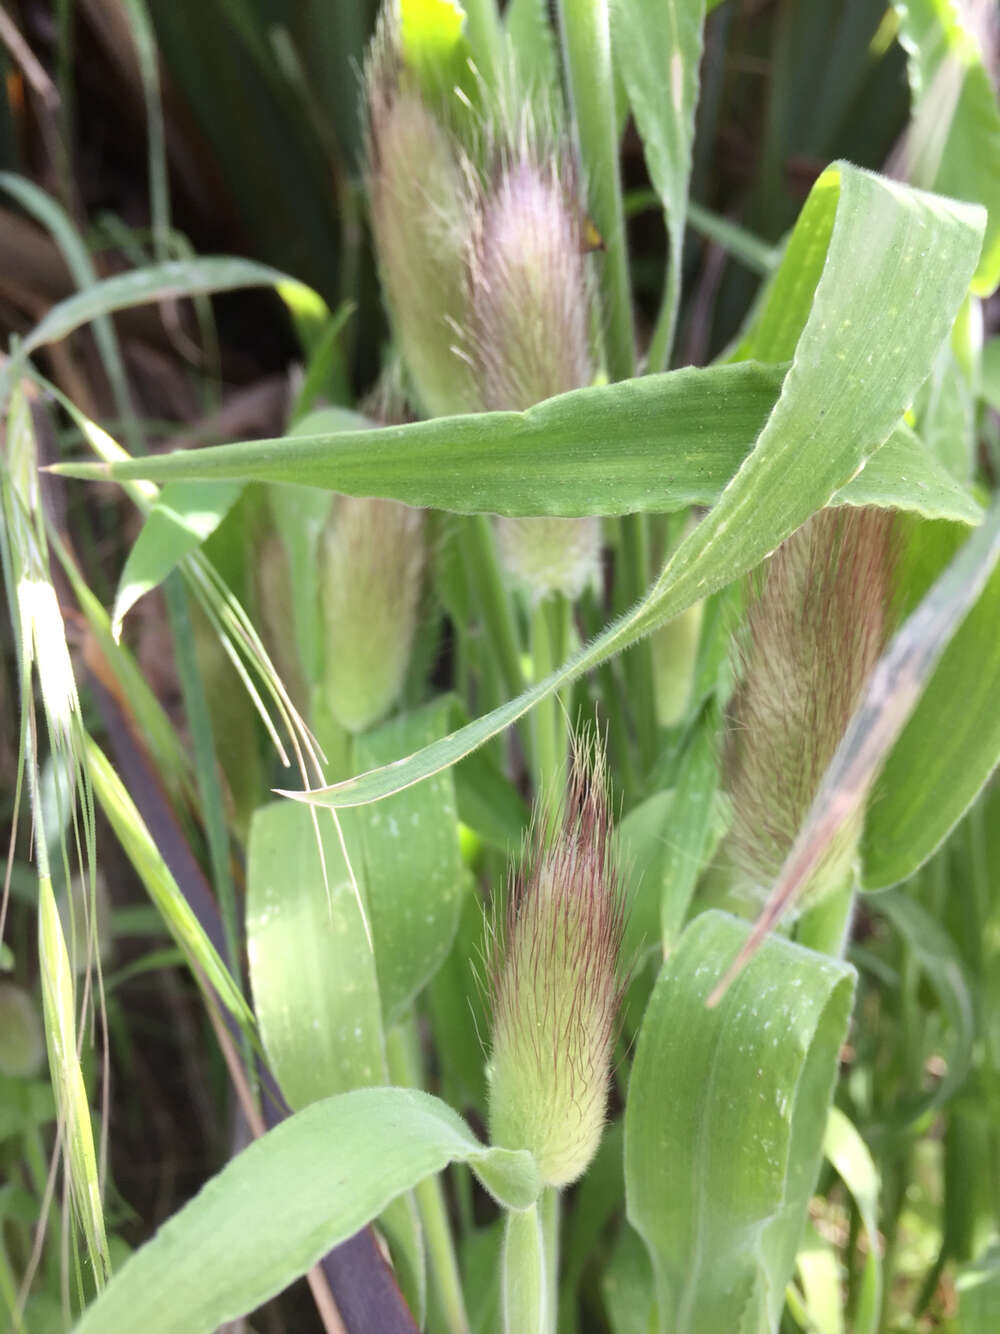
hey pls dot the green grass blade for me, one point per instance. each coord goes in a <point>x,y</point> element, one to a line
<point>978,1286</point>
<point>852,1159</point>
<point>52,216</point>
<point>719,1199</point>
<point>182,518</point>
<point>286,1200</point>
<point>586,44</point>
<point>658,48</point>
<point>567,456</point>
<point>158,282</point>
<point>149,865</point>
<point>937,957</point>
<point>949,747</point>
<point>955,132</point>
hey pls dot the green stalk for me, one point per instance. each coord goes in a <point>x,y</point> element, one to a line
<point>523,1278</point>
<point>753,253</point>
<point>826,926</point>
<point>586,42</point>
<point>402,1056</point>
<point>550,626</point>
<point>550,1241</point>
<point>8,1290</point>
<point>483,569</point>
<point>661,345</point>
<point>638,660</point>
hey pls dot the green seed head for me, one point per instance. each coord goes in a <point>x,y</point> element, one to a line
<point>817,621</point>
<point>372,556</point>
<point>556,989</point>
<point>422,221</point>
<point>551,555</point>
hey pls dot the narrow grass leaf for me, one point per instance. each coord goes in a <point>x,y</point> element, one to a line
<point>152,870</point>
<point>183,516</point>
<point>658,49</point>
<point>157,282</point>
<point>949,746</point>
<point>720,1198</point>
<point>853,1162</point>
<point>689,433</point>
<point>277,1207</point>
<point>81,266</point>
<point>939,960</point>
<point>585,30</point>
<point>117,670</point>
<point>955,111</point>
<point>819,1272</point>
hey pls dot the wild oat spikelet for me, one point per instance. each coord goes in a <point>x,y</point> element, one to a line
<point>372,555</point>
<point>817,621</point>
<point>530,307</point>
<point>556,986</point>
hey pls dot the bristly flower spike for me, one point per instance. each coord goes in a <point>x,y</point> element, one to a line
<point>372,557</point>
<point>556,983</point>
<point>422,222</point>
<point>530,320</point>
<point>818,617</point>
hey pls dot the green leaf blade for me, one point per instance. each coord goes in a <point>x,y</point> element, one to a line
<point>719,1197</point>
<point>281,1204</point>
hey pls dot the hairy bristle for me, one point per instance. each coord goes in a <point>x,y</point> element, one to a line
<point>422,224</point>
<point>556,982</point>
<point>816,623</point>
<point>373,556</point>
<point>529,287</point>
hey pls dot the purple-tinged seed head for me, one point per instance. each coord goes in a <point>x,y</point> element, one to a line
<point>818,617</point>
<point>554,968</point>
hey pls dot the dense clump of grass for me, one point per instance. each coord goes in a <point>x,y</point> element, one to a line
<point>552,745</point>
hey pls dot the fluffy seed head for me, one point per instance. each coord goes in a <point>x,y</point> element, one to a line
<point>372,556</point>
<point>551,555</point>
<point>529,289</point>
<point>817,621</point>
<point>529,337</point>
<point>422,221</point>
<point>556,987</point>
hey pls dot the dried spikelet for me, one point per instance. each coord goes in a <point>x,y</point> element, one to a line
<point>556,985</point>
<point>372,555</point>
<point>422,221</point>
<point>817,621</point>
